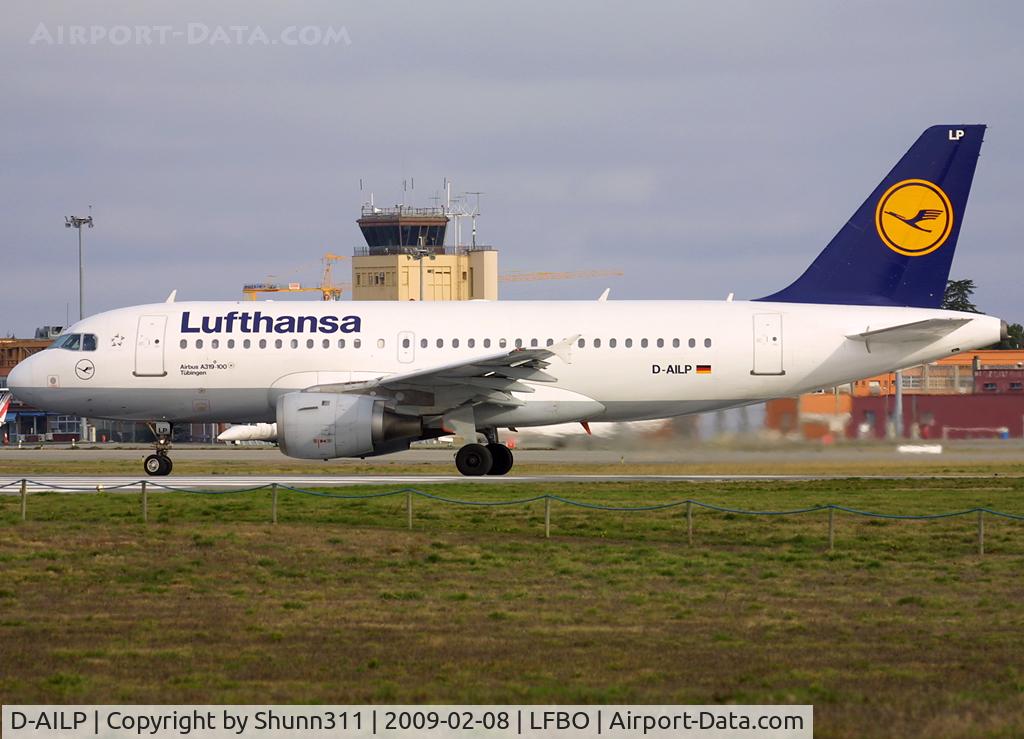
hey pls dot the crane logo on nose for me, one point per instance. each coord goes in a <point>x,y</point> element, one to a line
<point>914,217</point>
<point>85,369</point>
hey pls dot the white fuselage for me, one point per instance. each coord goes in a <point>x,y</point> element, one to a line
<point>162,362</point>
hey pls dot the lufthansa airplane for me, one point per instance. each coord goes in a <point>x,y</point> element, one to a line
<point>362,379</point>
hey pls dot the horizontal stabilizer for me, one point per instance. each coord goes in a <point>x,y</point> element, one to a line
<point>929,329</point>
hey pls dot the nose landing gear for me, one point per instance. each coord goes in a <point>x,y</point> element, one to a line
<point>159,464</point>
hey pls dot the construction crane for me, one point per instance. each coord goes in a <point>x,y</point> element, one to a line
<point>581,274</point>
<point>327,288</point>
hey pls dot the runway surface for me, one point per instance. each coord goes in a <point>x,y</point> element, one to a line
<point>128,483</point>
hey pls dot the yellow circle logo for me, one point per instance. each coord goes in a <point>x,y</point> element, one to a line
<point>914,217</point>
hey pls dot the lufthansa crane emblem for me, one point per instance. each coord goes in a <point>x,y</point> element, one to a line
<point>85,369</point>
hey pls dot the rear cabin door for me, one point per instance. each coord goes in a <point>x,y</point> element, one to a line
<point>768,344</point>
<point>149,347</point>
<point>406,346</point>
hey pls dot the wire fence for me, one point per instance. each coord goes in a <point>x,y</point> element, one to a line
<point>689,504</point>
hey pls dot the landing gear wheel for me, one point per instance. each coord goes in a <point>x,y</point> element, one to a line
<point>157,465</point>
<point>473,460</point>
<point>502,459</point>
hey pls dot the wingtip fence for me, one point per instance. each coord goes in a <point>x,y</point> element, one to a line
<point>689,504</point>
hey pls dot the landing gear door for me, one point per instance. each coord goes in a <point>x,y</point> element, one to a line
<point>149,347</point>
<point>768,344</point>
<point>406,346</point>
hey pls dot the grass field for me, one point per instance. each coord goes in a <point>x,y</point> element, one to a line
<point>902,631</point>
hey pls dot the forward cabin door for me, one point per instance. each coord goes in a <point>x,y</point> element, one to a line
<point>768,344</point>
<point>406,346</point>
<point>149,347</point>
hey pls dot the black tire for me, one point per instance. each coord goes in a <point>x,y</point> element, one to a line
<point>153,465</point>
<point>168,465</point>
<point>501,457</point>
<point>473,460</point>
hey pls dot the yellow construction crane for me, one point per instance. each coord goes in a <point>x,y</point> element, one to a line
<point>581,274</point>
<point>327,287</point>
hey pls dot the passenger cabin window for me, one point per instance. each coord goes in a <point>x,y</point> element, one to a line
<point>356,343</point>
<point>455,343</point>
<point>660,343</point>
<point>183,343</point>
<point>707,343</point>
<point>278,343</point>
<point>629,343</point>
<point>215,344</point>
<point>423,343</point>
<point>487,343</point>
<point>675,343</point>
<point>470,343</point>
<point>692,343</point>
<point>612,343</point>
<point>643,343</point>
<point>199,343</point>
<point>231,343</point>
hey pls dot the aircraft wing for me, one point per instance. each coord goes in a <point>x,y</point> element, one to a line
<point>489,378</point>
<point>929,329</point>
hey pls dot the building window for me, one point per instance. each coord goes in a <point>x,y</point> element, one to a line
<point>1016,387</point>
<point>989,387</point>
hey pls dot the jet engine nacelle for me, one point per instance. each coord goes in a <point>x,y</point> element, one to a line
<point>329,425</point>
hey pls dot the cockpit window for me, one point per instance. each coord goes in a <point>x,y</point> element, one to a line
<point>75,342</point>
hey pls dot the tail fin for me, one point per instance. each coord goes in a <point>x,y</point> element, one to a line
<point>898,247</point>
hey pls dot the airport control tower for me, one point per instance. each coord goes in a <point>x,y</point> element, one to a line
<point>412,254</point>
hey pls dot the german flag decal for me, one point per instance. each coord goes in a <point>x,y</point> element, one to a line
<point>703,369</point>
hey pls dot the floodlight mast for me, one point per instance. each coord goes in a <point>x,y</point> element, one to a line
<point>78,222</point>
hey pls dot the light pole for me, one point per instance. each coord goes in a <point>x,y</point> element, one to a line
<point>78,222</point>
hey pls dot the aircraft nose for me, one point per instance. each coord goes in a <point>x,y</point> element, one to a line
<point>20,378</point>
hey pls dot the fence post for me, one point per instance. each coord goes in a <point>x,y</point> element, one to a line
<point>689,522</point>
<point>273,507</point>
<point>547,517</point>
<point>831,529</point>
<point>24,498</point>
<point>981,532</point>
<point>145,503</point>
<point>408,509</point>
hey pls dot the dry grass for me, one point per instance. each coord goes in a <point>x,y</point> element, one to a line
<point>902,631</point>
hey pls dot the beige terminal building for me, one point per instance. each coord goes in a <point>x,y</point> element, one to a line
<point>405,258</point>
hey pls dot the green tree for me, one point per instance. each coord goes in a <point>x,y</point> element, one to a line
<point>958,296</point>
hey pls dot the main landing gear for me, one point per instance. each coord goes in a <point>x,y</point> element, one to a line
<point>159,464</point>
<point>480,459</point>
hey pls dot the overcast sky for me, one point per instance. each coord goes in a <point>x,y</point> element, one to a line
<point>702,148</point>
